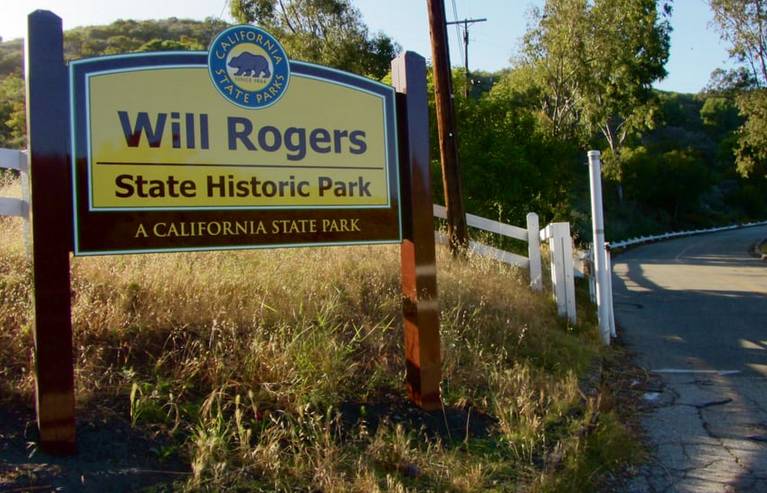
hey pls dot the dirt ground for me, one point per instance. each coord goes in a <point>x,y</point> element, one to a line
<point>111,456</point>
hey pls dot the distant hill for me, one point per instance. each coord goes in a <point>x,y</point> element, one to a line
<point>121,36</point>
<point>11,57</point>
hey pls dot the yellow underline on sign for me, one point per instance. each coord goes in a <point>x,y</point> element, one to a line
<point>230,165</point>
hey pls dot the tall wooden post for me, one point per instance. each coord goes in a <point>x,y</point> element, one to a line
<point>47,123</point>
<point>467,78</point>
<point>446,128</point>
<point>419,271</point>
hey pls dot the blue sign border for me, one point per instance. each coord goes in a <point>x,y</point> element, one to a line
<point>104,232</point>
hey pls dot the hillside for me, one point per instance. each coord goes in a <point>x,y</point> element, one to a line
<point>122,36</point>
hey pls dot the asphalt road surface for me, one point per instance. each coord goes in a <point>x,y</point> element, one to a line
<point>695,312</point>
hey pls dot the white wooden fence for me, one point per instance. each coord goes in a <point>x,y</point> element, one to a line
<point>560,248</point>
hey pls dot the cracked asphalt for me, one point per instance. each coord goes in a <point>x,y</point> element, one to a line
<point>694,310</point>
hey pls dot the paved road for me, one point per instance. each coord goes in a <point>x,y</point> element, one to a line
<point>695,312</point>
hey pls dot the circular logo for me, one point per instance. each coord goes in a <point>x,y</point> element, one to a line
<point>248,66</point>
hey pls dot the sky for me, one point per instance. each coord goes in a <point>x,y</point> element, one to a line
<point>696,49</point>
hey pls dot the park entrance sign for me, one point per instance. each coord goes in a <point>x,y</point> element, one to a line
<point>237,147</point>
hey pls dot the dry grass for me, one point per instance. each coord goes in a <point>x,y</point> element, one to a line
<point>246,358</point>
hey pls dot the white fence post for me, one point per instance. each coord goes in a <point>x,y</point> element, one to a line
<point>567,254</point>
<point>610,307</point>
<point>557,269</point>
<point>597,221</point>
<point>27,198</point>
<point>562,272</point>
<point>534,252</point>
<point>592,279</point>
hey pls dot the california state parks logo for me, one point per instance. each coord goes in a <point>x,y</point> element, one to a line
<point>248,66</point>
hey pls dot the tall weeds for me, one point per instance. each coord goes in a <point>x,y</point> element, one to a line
<point>246,360</point>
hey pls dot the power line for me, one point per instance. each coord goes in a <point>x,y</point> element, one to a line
<point>221,15</point>
<point>457,32</point>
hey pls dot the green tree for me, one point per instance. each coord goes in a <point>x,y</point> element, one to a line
<point>329,32</point>
<point>125,36</point>
<point>12,112</point>
<point>185,44</point>
<point>596,61</point>
<point>552,63</point>
<point>720,115</point>
<point>11,58</point>
<point>730,82</point>
<point>751,150</point>
<point>511,162</point>
<point>743,24</point>
<point>626,54</point>
<point>670,183</point>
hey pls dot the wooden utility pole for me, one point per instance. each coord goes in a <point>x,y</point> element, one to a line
<point>448,144</point>
<point>466,22</point>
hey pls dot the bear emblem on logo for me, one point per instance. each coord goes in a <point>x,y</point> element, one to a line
<point>250,64</point>
<point>248,67</point>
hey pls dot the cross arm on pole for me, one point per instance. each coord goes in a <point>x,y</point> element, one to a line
<point>466,23</point>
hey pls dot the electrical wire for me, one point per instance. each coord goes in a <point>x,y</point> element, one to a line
<point>221,15</point>
<point>458,33</point>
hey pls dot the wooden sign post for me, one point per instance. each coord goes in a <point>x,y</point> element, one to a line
<point>238,147</point>
<point>52,231</point>
<point>419,269</point>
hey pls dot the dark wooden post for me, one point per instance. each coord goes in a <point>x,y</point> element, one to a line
<point>419,271</point>
<point>446,129</point>
<point>47,123</point>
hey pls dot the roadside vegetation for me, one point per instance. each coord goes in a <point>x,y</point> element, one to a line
<point>283,370</point>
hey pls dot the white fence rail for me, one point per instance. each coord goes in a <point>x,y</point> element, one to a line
<point>560,247</point>
<point>493,227</point>
<point>15,159</point>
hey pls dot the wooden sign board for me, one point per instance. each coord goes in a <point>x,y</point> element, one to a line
<point>199,150</point>
<point>237,147</point>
